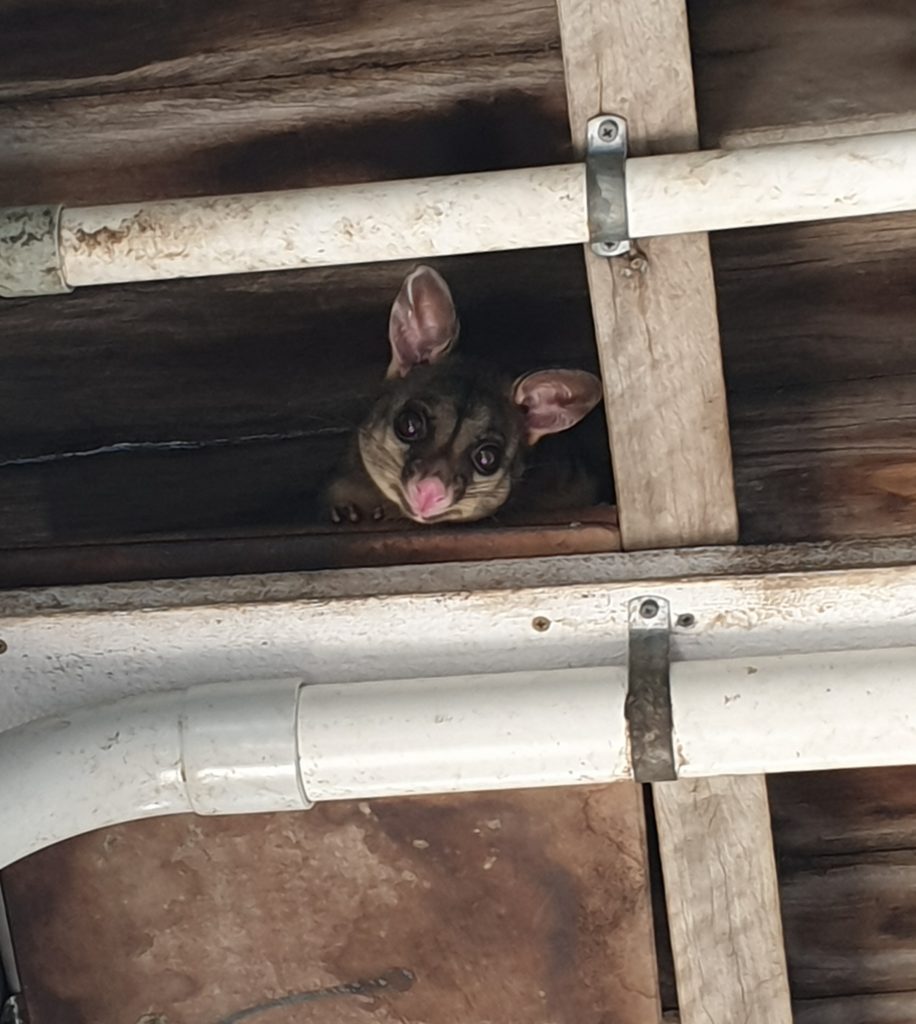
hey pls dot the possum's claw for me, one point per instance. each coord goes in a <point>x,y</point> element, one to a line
<point>346,513</point>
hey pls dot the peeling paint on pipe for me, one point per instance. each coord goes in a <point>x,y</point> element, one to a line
<point>424,218</point>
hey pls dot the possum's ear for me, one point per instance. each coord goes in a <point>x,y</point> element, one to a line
<point>423,326</point>
<point>555,400</point>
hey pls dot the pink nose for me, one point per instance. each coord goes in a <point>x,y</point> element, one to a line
<point>428,496</point>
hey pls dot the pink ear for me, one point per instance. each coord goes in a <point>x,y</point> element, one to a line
<point>555,400</point>
<point>423,324</point>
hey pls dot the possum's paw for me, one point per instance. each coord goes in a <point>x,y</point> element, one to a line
<point>349,502</point>
<point>354,514</point>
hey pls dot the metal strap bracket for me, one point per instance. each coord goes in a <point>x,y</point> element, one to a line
<point>605,170</point>
<point>648,703</point>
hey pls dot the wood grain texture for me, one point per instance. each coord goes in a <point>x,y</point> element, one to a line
<point>658,341</point>
<point>825,814</point>
<point>810,60</point>
<point>723,901</point>
<point>44,49</point>
<point>894,1008</point>
<point>655,316</point>
<point>846,845</point>
<point>521,907</point>
<point>579,532</point>
<point>849,924</point>
<point>206,408</point>
<point>818,346</point>
<point>291,132</point>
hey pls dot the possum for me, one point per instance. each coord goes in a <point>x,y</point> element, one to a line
<point>449,440</point>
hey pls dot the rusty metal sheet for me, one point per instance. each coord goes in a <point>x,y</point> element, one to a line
<point>528,907</point>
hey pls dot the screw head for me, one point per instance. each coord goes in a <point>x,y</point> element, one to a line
<point>3,647</point>
<point>686,620</point>
<point>649,608</point>
<point>540,623</point>
<point>608,130</point>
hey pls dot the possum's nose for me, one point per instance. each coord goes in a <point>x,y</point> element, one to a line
<point>428,496</point>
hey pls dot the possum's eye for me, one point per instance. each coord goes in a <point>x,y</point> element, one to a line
<point>410,424</point>
<point>486,459</point>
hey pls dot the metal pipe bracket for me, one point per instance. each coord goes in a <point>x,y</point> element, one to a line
<point>648,705</point>
<point>606,191</point>
<point>30,258</point>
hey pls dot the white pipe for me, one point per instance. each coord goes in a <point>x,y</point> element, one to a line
<point>214,749</point>
<point>520,209</point>
<point>803,712</point>
<point>781,183</point>
<point>464,734</point>
<point>234,748</point>
<point>318,227</point>
<point>243,748</point>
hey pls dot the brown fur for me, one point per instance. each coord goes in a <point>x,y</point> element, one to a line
<point>464,405</point>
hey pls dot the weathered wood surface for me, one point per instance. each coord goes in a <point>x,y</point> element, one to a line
<point>331,92</point>
<point>761,66</point>
<point>818,340</point>
<point>172,44</point>
<point>521,907</point>
<point>580,532</point>
<point>658,341</point>
<point>846,847</point>
<point>655,315</point>
<point>846,843</point>
<point>816,331</point>
<point>723,900</point>
<point>210,407</point>
<point>844,812</point>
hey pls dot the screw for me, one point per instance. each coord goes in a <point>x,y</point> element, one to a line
<point>608,130</point>
<point>541,624</point>
<point>649,608</point>
<point>686,621</point>
<point>3,647</point>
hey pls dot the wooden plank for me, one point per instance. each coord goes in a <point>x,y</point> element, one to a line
<point>521,907</point>
<point>658,341</point>
<point>210,407</point>
<point>762,66</point>
<point>576,532</point>
<point>294,131</point>
<point>808,131</point>
<point>821,423</point>
<point>843,812</point>
<point>665,397</point>
<point>44,51</point>
<point>891,1008</point>
<point>849,923</point>
<point>846,844</point>
<point>723,900</point>
<point>800,562</point>
<point>847,862</point>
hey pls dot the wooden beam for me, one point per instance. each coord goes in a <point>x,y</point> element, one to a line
<point>658,341</point>
<point>655,314</point>
<point>720,883</point>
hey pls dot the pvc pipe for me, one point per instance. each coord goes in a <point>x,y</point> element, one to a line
<point>318,227</point>
<point>504,210</point>
<point>789,713</point>
<point>214,749</point>
<point>234,748</point>
<point>242,748</point>
<point>780,183</point>
<point>464,734</point>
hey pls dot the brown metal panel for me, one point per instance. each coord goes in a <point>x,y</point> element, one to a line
<point>513,907</point>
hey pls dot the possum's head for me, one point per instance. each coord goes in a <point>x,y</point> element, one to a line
<point>446,441</point>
